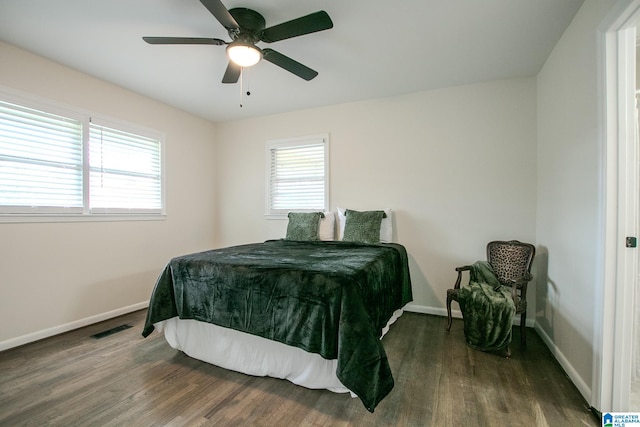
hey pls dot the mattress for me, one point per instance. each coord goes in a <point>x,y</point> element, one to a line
<point>254,355</point>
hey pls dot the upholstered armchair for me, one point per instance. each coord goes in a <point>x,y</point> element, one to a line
<point>511,262</point>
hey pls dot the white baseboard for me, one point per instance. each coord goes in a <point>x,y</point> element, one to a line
<point>577,380</point>
<point>415,308</point>
<point>456,314</point>
<point>46,333</point>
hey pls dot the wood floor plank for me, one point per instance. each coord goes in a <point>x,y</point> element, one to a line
<point>124,379</point>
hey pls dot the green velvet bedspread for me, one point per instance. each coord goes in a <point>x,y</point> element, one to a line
<point>487,309</point>
<point>330,298</point>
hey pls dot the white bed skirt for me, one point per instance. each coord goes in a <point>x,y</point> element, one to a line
<point>254,355</point>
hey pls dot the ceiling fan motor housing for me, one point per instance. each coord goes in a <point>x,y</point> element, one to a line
<point>250,23</point>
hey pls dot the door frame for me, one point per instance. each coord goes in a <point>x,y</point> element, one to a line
<point>619,190</point>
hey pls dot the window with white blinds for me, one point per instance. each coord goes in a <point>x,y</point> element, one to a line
<point>40,161</point>
<point>297,175</point>
<point>66,164</point>
<point>125,171</point>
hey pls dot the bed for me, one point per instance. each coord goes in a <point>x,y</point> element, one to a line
<point>312,312</point>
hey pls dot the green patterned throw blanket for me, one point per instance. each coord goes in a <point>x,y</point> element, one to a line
<point>330,298</point>
<point>487,308</point>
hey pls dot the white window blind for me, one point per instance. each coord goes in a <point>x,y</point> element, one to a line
<point>125,171</point>
<point>40,161</point>
<point>59,163</point>
<point>297,175</point>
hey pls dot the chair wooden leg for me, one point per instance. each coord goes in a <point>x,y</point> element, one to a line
<point>449,319</point>
<point>523,329</point>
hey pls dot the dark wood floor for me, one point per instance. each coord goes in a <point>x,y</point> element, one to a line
<point>125,380</point>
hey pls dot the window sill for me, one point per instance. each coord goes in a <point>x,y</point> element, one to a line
<point>276,216</point>
<point>40,218</point>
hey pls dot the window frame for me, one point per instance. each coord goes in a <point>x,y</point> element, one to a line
<point>138,131</point>
<point>319,139</point>
<point>9,214</point>
<point>63,114</point>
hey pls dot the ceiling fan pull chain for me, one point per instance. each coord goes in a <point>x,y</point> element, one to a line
<point>248,93</point>
<point>241,73</point>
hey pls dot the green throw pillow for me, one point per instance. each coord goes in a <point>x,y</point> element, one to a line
<point>363,227</point>
<point>304,226</point>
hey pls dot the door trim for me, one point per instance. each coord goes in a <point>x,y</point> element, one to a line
<point>619,215</point>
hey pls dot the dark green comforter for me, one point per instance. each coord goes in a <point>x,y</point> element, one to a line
<point>330,298</point>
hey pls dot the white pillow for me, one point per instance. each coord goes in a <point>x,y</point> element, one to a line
<point>327,226</point>
<point>386,227</point>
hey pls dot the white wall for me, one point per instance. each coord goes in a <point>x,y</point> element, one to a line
<point>57,274</point>
<point>569,201</point>
<point>457,165</point>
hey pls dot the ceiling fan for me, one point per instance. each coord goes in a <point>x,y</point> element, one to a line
<point>246,27</point>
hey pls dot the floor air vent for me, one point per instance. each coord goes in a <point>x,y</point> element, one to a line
<point>110,331</point>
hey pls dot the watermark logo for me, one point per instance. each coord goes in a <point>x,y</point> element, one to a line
<point>620,419</point>
<point>607,420</point>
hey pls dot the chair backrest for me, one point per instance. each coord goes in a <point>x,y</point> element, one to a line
<point>510,260</point>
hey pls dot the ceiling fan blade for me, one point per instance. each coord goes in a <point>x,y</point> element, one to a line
<point>232,73</point>
<point>221,13</point>
<point>183,40</point>
<point>289,64</point>
<point>312,23</point>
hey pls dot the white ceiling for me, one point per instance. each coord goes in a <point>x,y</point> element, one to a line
<point>376,48</point>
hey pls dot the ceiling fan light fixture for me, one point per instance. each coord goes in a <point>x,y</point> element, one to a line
<point>243,54</point>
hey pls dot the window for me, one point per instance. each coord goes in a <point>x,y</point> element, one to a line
<point>297,175</point>
<point>65,163</point>
<point>40,161</point>
<point>124,171</point>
